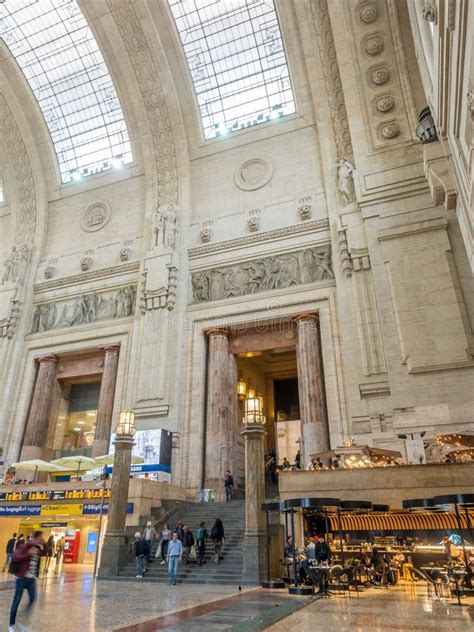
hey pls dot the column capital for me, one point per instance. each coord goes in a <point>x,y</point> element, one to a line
<point>308,317</point>
<point>48,359</point>
<point>218,331</point>
<point>254,431</point>
<point>112,348</point>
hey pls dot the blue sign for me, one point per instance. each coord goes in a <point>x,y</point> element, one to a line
<point>20,510</point>
<point>90,509</point>
<point>143,467</point>
<point>92,541</point>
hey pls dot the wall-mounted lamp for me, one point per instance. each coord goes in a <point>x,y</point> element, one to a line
<point>253,412</point>
<point>241,388</point>
<point>251,392</point>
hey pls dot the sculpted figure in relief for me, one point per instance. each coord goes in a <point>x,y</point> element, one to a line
<point>256,275</point>
<point>9,267</point>
<point>345,175</point>
<point>15,266</point>
<point>165,226</point>
<point>322,261</point>
<point>200,281</point>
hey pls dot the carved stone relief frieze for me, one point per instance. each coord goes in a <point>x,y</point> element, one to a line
<point>268,273</point>
<point>147,74</point>
<point>88,307</point>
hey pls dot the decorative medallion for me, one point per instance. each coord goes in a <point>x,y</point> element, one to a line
<point>368,12</point>
<point>205,235</point>
<point>49,271</point>
<point>389,130</point>
<point>384,103</point>
<point>374,45</point>
<point>86,263</point>
<point>253,174</point>
<point>95,217</point>
<point>378,75</point>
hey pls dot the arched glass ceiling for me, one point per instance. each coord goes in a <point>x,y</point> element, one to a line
<point>58,54</point>
<point>237,62</point>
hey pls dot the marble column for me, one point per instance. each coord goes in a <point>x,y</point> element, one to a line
<point>114,549</point>
<point>38,419</point>
<point>105,408</point>
<point>254,550</point>
<point>219,414</point>
<point>313,414</point>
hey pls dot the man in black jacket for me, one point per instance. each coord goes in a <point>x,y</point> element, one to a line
<point>140,548</point>
<point>228,485</point>
<point>188,541</point>
<point>322,551</point>
<point>9,551</point>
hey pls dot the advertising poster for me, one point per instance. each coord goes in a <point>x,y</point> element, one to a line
<point>415,451</point>
<point>154,447</point>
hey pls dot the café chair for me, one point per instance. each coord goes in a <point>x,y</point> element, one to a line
<point>432,585</point>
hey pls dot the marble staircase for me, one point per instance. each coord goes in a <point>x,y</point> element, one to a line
<point>230,569</point>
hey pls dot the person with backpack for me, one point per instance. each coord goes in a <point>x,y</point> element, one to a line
<point>228,485</point>
<point>140,550</point>
<point>9,551</point>
<point>217,536</point>
<point>25,566</point>
<point>201,539</point>
<point>188,541</point>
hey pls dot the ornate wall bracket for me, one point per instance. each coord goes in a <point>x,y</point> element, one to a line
<point>161,298</point>
<point>437,172</point>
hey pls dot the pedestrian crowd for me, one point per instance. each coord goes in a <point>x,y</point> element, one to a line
<point>180,546</point>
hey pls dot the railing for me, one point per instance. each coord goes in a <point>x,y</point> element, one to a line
<point>66,452</point>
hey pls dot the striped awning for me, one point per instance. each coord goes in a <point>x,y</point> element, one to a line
<point>427,521</point>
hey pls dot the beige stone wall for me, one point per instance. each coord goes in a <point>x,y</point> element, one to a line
<point>388,485</point>
<point>395,313</point>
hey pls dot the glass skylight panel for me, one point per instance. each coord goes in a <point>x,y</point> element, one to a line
<point>57,52</point>
<point>237,62</point>
<point>2,193</point>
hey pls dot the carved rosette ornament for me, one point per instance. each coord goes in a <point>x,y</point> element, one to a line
<point>384,103</point>
<point>378,75</point>
<point>373,45</point>
<point>389,130</point>
<point>368,12</point>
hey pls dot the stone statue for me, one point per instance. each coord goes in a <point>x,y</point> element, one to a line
<point>129,300</point>
<point>9,267</point>
<point>345,175</point>
<point>165,226</point>
<point>23,255</point>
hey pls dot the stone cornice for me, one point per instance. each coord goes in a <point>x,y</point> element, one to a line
<point>278,233</point>
<point>84,277</point>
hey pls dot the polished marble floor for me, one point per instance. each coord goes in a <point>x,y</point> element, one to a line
<point>74,603</point>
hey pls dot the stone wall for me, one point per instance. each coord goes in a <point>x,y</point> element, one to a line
<point>381,485</point>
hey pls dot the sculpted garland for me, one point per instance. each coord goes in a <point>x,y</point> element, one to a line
<point>269,273</point>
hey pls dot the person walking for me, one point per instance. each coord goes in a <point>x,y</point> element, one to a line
<point>175,553</point>
<point>48,552</point>
<point>149,536</point>
<point>228,485</point>
<point>188,541</point>
<point>217,536</point>
<point>140,553</point>
<point>9,552</point>
<point>201,539</point>
<point>21,540</point>
<point>25,563</point>
<point>165,540</point>
<point>179,531</point>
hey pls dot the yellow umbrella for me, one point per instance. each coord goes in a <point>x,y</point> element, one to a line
<point>77,463</point>
<point>38,465</point>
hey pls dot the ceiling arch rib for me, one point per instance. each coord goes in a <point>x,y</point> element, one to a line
<point>236,58</point>
<point>59,56</point>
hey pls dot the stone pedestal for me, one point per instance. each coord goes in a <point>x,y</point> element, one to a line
<point>38,419</point>
<point>114,549</point>
<point>219,414</point>
<point>254,548</point>
<point>314,423</point>
<point>105,407</point>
